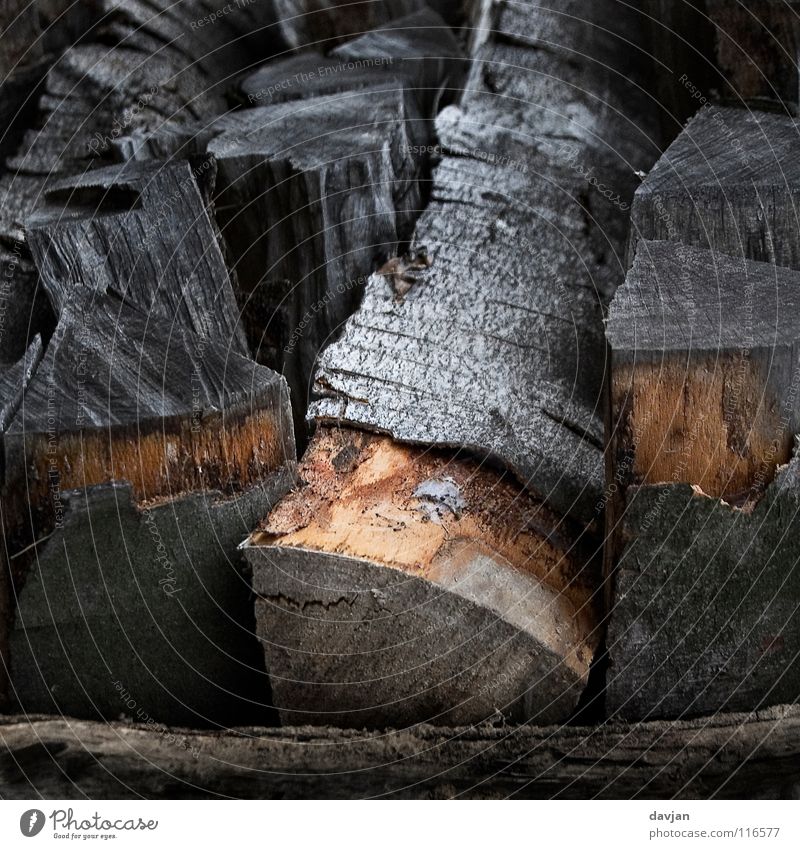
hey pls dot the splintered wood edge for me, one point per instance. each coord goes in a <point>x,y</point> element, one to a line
<point>422,512</point>
<point>226,453</point>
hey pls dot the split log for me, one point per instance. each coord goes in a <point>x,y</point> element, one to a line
<point>706,617</point>
<point>401,585</point>
<point>728,183</point>
<point>143,609</point>
<point>311,200</point>
<point>121,395</point>
<point>704,371</point>
<point>140,232</point>
<point>757,51</point>
<point>486,336</point>
<point>738,756</point>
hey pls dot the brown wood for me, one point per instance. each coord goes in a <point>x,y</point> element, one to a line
<point>400,584</point>
<point>704,371</point>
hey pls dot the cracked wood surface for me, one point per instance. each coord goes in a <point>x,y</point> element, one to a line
<point>498,345</point>
<point>139,232</point>
<point>742,756</point>
<point>398,585</point>
<point>524,251</point>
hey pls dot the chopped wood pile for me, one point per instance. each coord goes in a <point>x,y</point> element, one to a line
<point>384,364</point>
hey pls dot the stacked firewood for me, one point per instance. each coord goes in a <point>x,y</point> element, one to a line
<point>546,404</point>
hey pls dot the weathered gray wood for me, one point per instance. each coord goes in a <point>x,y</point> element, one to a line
<point>214,39</point>
<point>706,615</point>
<point>122,395</point>
<point>498,350</point>
<point>757,51</point>
<point>310,74</point>
<point>183,404</point>
<point>421,47</point>
<point>140,232</point>
<point>607,32</point>
<point>518,97</point>
<point>143,610</point>
<point>727,183</point>
<point>485,336</point>
<point>705,370</point>
<point>440,592</point>
<point>728,756</point>
<point>318,24</point>
<point>310,200</point>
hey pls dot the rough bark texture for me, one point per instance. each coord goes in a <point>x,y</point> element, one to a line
<point>528,392</point>
<point>727,183</point>
<point>486,336</point>
<point>705,370</point>
<point>565,71</point>
<point>706,616</point>
<point>496,349</point>
<point>399,586</point>
<point>727,756</point>
<point>757,51</point>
